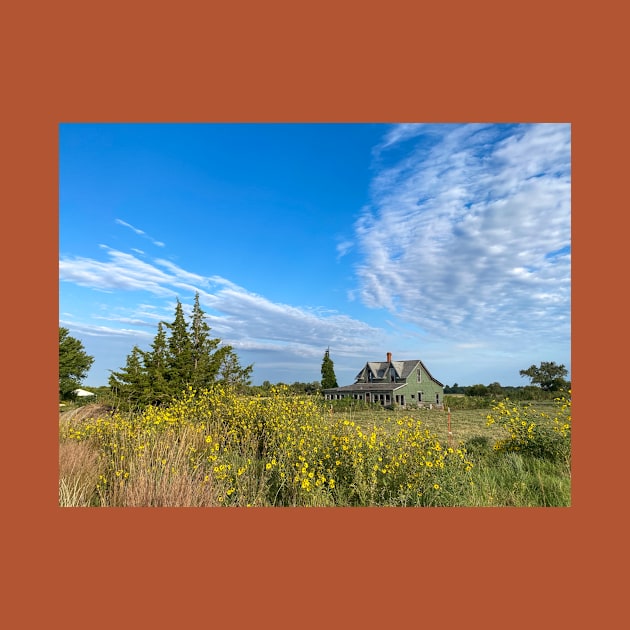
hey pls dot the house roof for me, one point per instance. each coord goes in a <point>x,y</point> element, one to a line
<point>367,387</point>
<point>403,368</point>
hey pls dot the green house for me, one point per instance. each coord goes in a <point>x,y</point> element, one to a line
<point>402,383</point>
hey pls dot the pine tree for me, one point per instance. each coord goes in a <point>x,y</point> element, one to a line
<point>131,383</point>
<point>189,356</point>
<point>179,360</point>
<point>74,363</point>
<point>329,380</point>
<point>156,363</point>
<point>230,371</point>
<point>205,363</point>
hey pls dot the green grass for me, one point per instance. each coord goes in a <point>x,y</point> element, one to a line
<point>464,423</point>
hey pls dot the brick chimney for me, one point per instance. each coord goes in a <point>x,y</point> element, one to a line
<point>389,357</point>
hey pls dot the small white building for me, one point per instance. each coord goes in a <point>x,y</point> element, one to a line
<point>82,393</point>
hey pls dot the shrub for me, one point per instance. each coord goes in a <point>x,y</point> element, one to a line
<point>530,432</point>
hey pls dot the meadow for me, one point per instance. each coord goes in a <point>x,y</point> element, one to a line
<point>218,448</point>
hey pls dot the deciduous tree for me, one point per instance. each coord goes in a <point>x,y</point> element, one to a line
<point>74,363</point>
<point>548,376</point>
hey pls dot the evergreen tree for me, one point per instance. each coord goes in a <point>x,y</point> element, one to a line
<point>204,360</point>
<point>329,380</point>
<point>131,383</point>
<point>230,371</point>
<point>188,356</point>
<point>179,366</point>
<point>156,363</point>
<point>74,363</point>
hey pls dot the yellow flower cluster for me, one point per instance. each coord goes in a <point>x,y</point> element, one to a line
<point>534,432</point>
<point>279,449</point>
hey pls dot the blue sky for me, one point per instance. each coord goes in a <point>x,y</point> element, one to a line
<point>449,243</point>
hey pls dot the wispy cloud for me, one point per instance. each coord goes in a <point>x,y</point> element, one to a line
<point>140,232</point>
<point>343,248</point>
<point>397,134</point>
<point>124,272</point>
<point>242,318</point>
<point>91,330</point>
<point>468,236</point>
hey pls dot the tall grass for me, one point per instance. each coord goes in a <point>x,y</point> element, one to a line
<point>79,469</point>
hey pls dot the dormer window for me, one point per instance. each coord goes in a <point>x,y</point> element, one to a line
<point>392,375</point>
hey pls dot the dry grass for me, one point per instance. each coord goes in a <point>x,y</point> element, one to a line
<point>162,478</point>
<point>78,414</point>
<point>79,467</point>
<point>167,490</point>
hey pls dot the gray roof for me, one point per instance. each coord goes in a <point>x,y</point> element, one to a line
<point>367,387</point>
<point>379,368</point>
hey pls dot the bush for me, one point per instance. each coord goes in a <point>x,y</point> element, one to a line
<point>530,432</point>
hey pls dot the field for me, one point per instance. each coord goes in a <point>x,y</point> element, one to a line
<point>464,423</point>
<point>219,449</point>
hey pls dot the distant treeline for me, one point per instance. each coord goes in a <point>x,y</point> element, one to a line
<point>497,391</point>
<point>494,391</point>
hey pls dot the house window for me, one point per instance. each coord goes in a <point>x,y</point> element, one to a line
<point>419,396</point>
<point>419,376</point>
<point>392,374</point>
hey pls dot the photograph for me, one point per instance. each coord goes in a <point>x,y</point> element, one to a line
<point>315,314</point>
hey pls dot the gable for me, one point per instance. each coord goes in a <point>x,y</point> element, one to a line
<point>403,369</point>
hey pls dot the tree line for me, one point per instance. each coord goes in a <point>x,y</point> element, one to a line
<point>548,377</point>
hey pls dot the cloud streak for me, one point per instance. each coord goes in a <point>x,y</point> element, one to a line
<point>242,318</point>
<point>140,232</point>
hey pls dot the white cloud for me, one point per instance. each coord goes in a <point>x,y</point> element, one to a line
<point>105,331</point>
<point>399,133</point>
<point>343,248</point>
<point>136,230</point>
<point>242,318</point>
<point>140,232</point>
<point>124,272</point>
<point>458,237</point>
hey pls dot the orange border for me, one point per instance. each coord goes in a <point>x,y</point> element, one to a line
<point>323,62</point>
